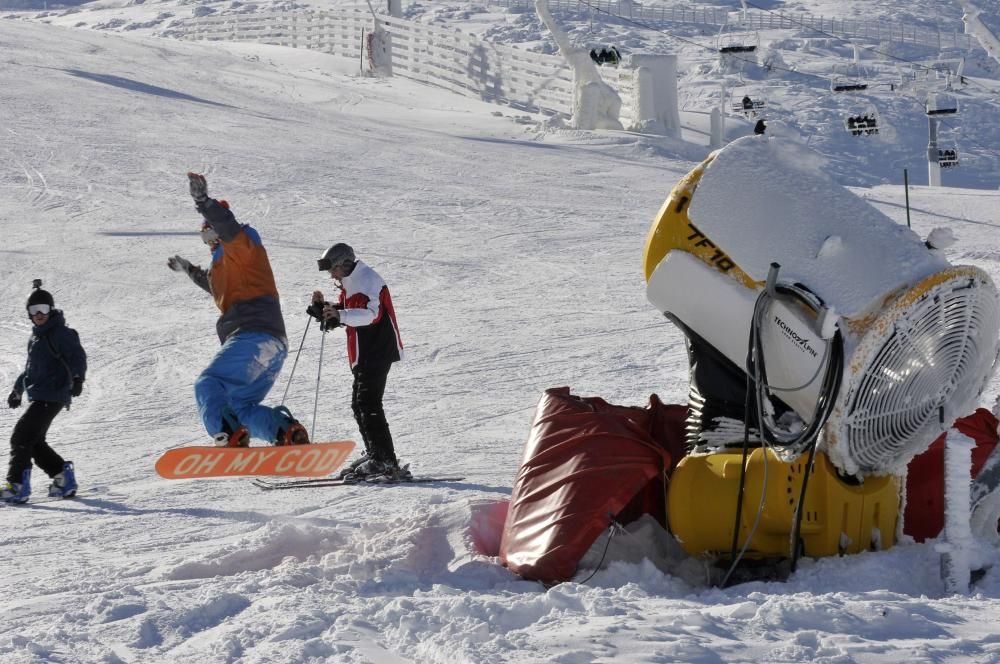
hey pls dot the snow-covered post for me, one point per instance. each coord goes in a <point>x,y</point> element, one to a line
<point>933,167</point>
<point>379,45</point>
<point>656,94</point>
<point>718,129</point>
<point>596,105</point>
<point>959,547</point>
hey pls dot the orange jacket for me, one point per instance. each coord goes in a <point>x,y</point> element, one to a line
<point>240,279</point>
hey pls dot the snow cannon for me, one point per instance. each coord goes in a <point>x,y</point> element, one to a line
<point>815,325</point>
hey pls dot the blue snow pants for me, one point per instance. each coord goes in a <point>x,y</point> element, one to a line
<point>237,380</point>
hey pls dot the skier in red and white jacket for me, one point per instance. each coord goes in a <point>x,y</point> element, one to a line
<point>365,310</point>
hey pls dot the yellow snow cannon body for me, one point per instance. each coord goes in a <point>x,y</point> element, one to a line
<point>840,515</point>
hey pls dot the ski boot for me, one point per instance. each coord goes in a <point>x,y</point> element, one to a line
<point>350,471</point>
<point>290,432</point>
<point>376,470</point>
<point>17,493</point>
<point>64,484</point>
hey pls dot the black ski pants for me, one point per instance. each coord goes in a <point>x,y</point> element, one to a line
<point>366,401</point>
<point>27,443</point>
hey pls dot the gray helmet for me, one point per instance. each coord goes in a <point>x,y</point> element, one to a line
<point>338,254</point>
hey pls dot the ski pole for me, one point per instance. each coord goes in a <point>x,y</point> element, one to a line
<point>319,372</point>
<point>296,362</point>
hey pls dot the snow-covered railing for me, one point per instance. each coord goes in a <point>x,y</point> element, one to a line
<point>466,64</point>
<point>339,32</point>
<point>432,55</point>
<point>652,15</point>
<point>657,16</point>
<point>450,59</point>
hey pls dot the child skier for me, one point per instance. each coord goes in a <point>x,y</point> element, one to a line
<point>251,328</point>
<point>53,375</point>
<point>373,344</point>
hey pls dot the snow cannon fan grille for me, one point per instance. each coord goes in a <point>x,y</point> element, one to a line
<point>933,349</point>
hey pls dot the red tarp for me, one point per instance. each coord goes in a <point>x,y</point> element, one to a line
<point>923,517</point>
<point>585,462</point>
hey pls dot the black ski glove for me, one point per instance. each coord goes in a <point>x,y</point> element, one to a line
<point>77,388</point>
<point>14,400</point>
<point>316,310</point>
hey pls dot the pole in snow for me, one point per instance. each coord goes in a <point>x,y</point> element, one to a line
<point>906,189</point>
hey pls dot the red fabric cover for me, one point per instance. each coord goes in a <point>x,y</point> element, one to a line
<point>585,461</point>
<point>923,517</point>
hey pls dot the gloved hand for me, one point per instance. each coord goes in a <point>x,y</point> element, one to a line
<point>178,264</point>
<point>331,316</point>
<point>316,310</point>
<point>77,388</point>
<point>14,400</point>
<point>198,187</point>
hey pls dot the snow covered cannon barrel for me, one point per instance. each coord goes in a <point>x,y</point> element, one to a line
<point>812,319</point>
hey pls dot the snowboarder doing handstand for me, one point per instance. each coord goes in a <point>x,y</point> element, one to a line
<point>373,344</point>
<point>251,328</point>
<point>53,375</point>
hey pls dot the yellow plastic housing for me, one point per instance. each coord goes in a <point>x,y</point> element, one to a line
<point>839,518</point>
<point>672,229</point>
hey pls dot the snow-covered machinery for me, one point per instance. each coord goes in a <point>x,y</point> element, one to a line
<point>832,341</point>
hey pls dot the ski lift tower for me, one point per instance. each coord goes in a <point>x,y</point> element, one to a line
<point>939,105</point>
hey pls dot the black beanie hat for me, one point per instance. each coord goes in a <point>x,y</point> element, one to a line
<point>39,296</point>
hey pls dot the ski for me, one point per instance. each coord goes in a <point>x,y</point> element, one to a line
<point>380,480</point>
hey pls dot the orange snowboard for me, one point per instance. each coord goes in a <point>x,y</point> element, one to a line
<point>313,460</point>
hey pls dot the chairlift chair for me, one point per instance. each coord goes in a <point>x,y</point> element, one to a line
<point>948,157</point>
<point>749,103</point>
<point>863,122</point>
<point>736,38</point>
<point>940,103</point>
<point>848,79</point>
<point>847,85</point>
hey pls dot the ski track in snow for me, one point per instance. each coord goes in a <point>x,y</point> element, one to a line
<point>513,269</point>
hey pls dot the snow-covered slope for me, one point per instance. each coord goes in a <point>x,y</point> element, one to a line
<point>796,83</point>
<point>514,260</point>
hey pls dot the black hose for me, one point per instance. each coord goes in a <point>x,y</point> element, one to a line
<point>807,439</point>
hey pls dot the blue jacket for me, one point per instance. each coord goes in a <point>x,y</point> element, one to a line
<point>55,357</point>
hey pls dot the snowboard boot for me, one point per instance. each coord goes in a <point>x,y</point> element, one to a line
<point>17,493</point>
<point>290,432</point>
<point>64,484</point>
<point>238,438</point>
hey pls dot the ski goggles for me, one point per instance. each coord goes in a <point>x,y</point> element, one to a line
<point>208,235</point>
<point>39,309</point>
